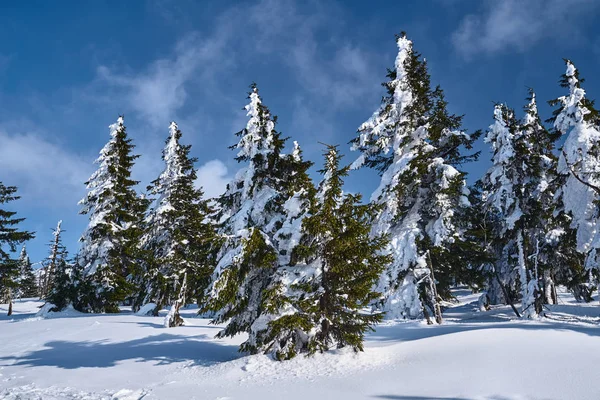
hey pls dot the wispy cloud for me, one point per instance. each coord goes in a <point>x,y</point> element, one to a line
<point>159,91</point>
<point>515,25</point>
<point>213,177</point>
<point>45,173</point>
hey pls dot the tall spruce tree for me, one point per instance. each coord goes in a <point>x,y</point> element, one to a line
<point>334,269</point>
<point>518,201</point>
<point>10,238</point>
<point>579,168</point>
<point>27,279</point>
<point>109,253</point>
<point>60,287</point>
<point>415,144</point>
<point>57,251</point>
<point>502,206</point>
<point>179,234</point>
<point>259,215</point>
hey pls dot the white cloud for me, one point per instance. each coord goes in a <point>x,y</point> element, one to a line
<point>517,25</point>
<point>44,172</point>
<point>213,177</point>
<point>158,92</point>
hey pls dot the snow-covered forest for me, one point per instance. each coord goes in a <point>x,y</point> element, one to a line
<point>286,279</point>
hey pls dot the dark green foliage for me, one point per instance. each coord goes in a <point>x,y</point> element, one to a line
<point>257,228</point>
<point>180,238</point>
<point>60,287</point>
<point>27,281</point>
<point>340,263</point>
<point>10,237</point>
<point>114,201</point>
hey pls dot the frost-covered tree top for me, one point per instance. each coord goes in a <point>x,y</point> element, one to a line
<point>500,178</point>
<point>255,185</point>
<point>574,108</point>
<point>24,257</point>
<point>258,136</point>
<point>579,160</point>
<point>171,156</point>
<point>58,230</point>
<point>394,121</point>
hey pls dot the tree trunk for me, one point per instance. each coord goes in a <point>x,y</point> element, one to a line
<point>436,304</point>
<point>173,319</point>
<point>10,305</point>
<point>506,296</point>
<point>549,289</point>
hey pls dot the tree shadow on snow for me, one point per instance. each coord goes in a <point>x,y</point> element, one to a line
<point>406,332</point>
<point>160,325</point>
<point>160,349</point>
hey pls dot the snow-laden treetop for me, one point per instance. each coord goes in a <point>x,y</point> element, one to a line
<point>384,130</point>
<point>101,179</point>
<point>531,116</point>
<point>258,135</point>
<point>173,168</point>
<point>57,231</point>
<point>573,109</point>
<point>501,175</point>
<point>500,137</point>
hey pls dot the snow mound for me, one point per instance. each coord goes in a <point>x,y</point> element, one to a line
<point>46,310</point>
<point>146,309</point>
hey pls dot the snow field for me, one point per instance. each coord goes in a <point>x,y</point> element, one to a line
<point>473,356</point>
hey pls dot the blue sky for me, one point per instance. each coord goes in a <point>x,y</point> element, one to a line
<point>68,69</point>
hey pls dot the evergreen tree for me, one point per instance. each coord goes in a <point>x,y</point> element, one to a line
<point>579,167</point>
<point>10,237</point>
<point>540,222</point>
<point>260,216</point>
<point>415,144</point>
<point>27,280</point>
<point>518,203</point>
<point>179,234</point>
<point>109,254</point>
<point>501,204</point>
<point>60,289</point>
<point>57,250</point>
<point>335,267</point>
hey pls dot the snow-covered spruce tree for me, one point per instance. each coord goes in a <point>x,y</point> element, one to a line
<point>415,144</point>
<point>518,203</point>
<point>110,244</point>
<point>179,235</point>
<point>57,252</point>
<point>60,287</point>
<point>259,214</point>
<point>503,201</point>
<point>27,279</point>
<point>10,237</point>
<point>579,166</point>
<point>335,267</point>
<point>539,218</point>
